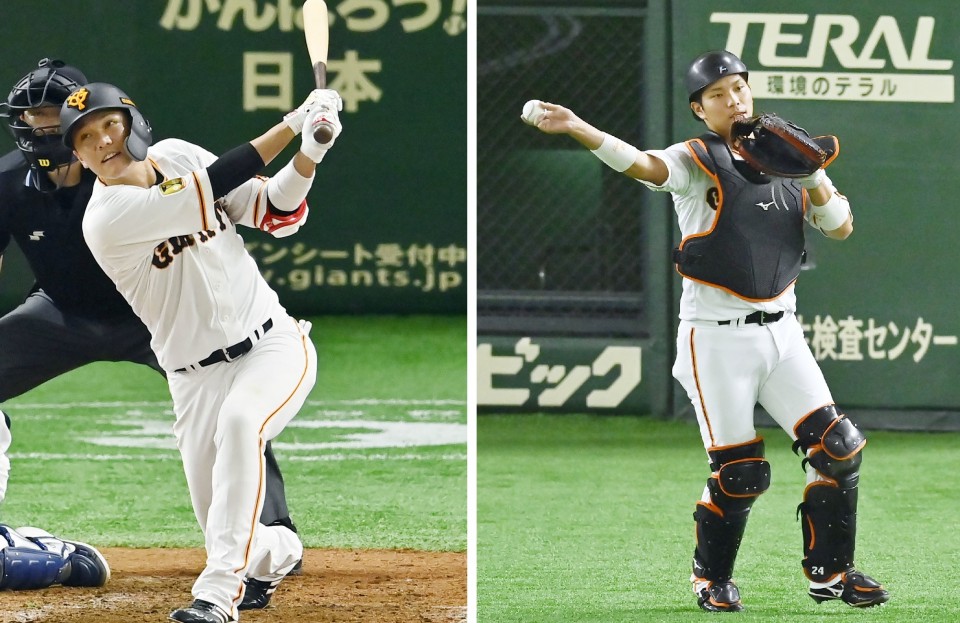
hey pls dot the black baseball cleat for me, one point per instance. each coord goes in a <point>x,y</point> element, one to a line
<point>201,611</point>
<point>853,588</point>
<point>717,596</point>
<point>257,594</point>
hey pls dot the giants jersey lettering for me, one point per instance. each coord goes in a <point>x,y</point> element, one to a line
<point>168,249</point>
<point>174,248</point>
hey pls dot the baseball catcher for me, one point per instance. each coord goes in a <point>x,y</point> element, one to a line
<point>32,558</point>
<point>743,191</point>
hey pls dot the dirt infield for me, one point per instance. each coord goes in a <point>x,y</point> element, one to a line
<point>339,586</point>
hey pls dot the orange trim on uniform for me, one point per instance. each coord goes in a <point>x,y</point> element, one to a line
<point>696,379</point>
<point>813,536</point>
<point>258,203</point>
<point>801,420</point>
<point>731,292</point>
<point>261,484</point>
<point>825,482</point>
<point>710,506</point>
<point>203,203</point>
<point>827,430</point>
<point>716,219</point>
<point>256,516</point>
<point>736,495</point>
<point>734,445</point>
<point>716,181</point>
<point>836,151</point>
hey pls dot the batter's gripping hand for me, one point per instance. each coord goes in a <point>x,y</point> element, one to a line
<point>778,147</point>
<point>324,114</point>
<point>326,97</point>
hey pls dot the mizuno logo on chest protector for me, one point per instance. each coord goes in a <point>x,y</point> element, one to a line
<point>754,254</point>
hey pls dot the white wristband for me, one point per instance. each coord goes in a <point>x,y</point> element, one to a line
<point>832,214</point>
<point>616,154</point>
<point>813,180</point>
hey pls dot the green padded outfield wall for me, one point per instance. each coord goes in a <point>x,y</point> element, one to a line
<point>387,231</point>
<point>880,309</point>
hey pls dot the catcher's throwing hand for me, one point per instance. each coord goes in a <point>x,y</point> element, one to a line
<point>549,118</point>
<point>779,147</point>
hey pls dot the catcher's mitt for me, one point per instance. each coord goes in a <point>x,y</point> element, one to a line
<point>773,145</point>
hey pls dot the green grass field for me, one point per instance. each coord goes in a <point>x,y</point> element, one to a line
<point>376,459</point>
<point>589,519</point>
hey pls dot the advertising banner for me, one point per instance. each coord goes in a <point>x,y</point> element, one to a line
<point>387,227</point>
<point>879,309</point>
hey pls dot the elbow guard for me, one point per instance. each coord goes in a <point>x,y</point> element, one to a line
<point>282,224</point>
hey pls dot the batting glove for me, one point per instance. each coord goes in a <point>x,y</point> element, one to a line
<point>324,114</point>
<point>330,98</point>
<point>318,97</point>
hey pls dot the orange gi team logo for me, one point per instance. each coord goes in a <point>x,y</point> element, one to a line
<point>78,99</point>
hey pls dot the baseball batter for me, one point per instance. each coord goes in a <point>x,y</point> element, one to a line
<point>162,223</point>
<point>74,314</point>
<point>739,342</point>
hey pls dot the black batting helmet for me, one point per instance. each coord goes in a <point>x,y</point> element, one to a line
<point>710,67</point>
<point>102,96</point>
<point>47,85</point>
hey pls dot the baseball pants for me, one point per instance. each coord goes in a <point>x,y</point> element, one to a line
<point>226,413</point>
<point>727,370</point>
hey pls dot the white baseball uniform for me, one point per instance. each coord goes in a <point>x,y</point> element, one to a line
<point>176,256</point>
<point>727,369</point>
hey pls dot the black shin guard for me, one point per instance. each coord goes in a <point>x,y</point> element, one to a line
<point>718,540</point>
<point>740,475</point>
<point>829,523</point>
<point>832,444</point>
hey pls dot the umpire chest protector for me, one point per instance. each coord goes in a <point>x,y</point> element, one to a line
<point>754,247</point>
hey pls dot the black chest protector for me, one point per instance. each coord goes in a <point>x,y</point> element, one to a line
<point>754,248</point>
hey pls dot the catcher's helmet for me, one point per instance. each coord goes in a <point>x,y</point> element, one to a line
<point>102,96</point>
<point>47,85</point>
<point>710,67</point>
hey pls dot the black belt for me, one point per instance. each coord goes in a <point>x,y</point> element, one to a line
<point>757,317</point>
<point>232,352</point>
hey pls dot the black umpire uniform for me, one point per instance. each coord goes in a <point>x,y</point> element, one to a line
<point>74,315</point>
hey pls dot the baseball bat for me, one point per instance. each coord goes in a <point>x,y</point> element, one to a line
<point>317,32</point>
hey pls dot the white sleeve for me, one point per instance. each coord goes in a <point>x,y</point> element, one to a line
<point>682,170</point>
<point>249,203</point>
<point>128,218</point>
